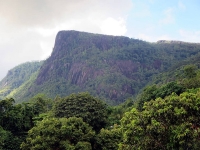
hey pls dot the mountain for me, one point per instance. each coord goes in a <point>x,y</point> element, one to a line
<point>110,67</point>
<point>176,72</point>
<point>18,78</point>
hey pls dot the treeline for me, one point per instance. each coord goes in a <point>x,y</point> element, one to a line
<point>78,121</point>
<point>163,117</point>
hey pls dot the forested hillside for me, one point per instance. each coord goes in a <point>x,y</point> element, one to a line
<point>19,79</point>
<point>110,67</point>
<point>163,117</point>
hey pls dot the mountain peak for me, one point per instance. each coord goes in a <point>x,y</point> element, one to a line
<point>110,67</point>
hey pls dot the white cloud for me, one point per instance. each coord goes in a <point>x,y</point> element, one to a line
<point>151,1</point>
<point>181,5</point>
<point>28,27</point>
<point>144,13</point>
<point>152,37</point>
<point>145,37</point>
<point>168,16</point>
<point>164,37</point>
<point>113,26</point>
<point>45,32</point>
<point>45,46</point>
<point>189,36</point>
<point>50,13</point>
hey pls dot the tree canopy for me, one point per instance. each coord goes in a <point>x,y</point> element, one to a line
<point>169,123</point>
<point>92,110</point>
<point>152,92</point>
<point>59,134</point>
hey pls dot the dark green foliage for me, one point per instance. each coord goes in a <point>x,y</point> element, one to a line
<point>92,110</point>
<point>116,112</point>
<point>13,124</point>
<point>186,75</point>
<point>59,134</point>
<point>50,133</point>
<point>169,88</point>
<point>190,71</point>
<point>148,94</point>
<point>109,139</point>
<point>8,141</point>
<point>83,146</point>
<point>16,120</point>
<point>10,115</point>
<point>153,92</point>
<point>41,104</point>
<point>169,123</point>
<point>178,71</point>
<point>191,78</point>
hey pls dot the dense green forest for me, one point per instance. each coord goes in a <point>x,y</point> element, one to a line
<point>113,68</point>
<point>162,116</point>
<point>98,92</point>
<point>19,79</point>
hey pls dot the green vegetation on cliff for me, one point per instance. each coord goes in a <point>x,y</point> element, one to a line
<point>112,68</point>
<point>19,80</point>
<point>164,117</point>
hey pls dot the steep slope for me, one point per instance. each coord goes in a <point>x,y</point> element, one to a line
<point>19,79</point>
<point>106,66</point>
<point>176,72</point>
<point>110,67</point>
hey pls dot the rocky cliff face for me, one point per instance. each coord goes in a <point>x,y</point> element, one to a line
<point>110,67</point>
<point>68,45</point>
<point>85,60</point>
<point>106,66</point>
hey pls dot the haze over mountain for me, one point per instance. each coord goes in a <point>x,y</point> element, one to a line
<point>110,67</point>
<point>28,28</point>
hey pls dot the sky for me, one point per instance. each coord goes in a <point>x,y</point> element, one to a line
<point>28,27</point>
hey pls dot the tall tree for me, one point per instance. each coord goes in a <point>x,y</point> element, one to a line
<point>92,110</point>
<point>59,134</point>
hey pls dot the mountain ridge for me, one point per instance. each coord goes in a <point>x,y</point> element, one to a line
<point>110,67</point>
<point>175,41</point>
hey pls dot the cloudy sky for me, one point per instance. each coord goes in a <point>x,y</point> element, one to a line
<point>28,27</point>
